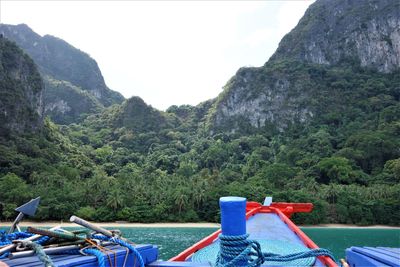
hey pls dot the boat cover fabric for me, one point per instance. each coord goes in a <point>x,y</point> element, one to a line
<point>370,256</point>
<point>149,254</point>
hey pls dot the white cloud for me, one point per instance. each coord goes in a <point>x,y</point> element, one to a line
<point>167,52</point>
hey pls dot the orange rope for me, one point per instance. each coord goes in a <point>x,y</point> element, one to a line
<point>105,251</point>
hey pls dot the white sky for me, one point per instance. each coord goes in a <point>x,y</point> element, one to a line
<point>166,52</point>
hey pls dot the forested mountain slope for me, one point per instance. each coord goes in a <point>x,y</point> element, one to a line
<point>297,129</point>
<point>34,156</point>
<point>74,84</point>
<point>21,107</point>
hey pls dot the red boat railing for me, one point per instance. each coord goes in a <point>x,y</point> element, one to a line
<point>283,210</point>
<point>199,245</point>
<point>306,240</point>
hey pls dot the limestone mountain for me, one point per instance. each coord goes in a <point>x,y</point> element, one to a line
<point>364,31</point>
<point>21,108</point>
<point>326,65</point>
<point>300,130</point>
<point>62,64</point>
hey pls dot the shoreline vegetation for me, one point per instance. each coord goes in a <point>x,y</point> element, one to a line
<point>180,225</point>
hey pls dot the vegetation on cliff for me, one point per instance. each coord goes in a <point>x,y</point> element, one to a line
<point>74,85</point>
<point>346,160</point>
<point>21,91</point>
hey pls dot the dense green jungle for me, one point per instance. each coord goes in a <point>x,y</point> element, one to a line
<point>170,168</point>
<point>123,160</point>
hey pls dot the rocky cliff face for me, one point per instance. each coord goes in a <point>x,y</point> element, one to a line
<point>59,61</point>
<point>365,31</point>
<point>21,108</point>
<point>66,103</point>
<point>332,33</point>
<point>263,97</point>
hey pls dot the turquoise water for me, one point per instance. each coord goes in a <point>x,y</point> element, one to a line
<point>338,239</point>
<point>172,241</point>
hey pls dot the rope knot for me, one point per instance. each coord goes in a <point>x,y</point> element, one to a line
<point>237,250</point>
<point>240,251</point>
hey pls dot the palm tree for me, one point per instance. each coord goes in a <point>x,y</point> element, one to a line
<point>114,199</point>
<point>181,198</point>
<point>199,193</point>
<point>332,192</point>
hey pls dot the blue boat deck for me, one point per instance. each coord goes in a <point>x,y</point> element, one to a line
<point>277,230</point>
<point>262,226</point>
<point>149,254</point>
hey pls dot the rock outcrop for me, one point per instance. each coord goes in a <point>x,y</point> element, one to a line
<point>363,34</point>
<point>364,31</point>
<point>67,103</point>
<point>263,97</point>
<point>21,87</point>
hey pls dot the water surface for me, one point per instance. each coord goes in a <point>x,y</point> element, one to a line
<point>172,241</point>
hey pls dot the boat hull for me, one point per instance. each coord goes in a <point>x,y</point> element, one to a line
<point>262,223</point>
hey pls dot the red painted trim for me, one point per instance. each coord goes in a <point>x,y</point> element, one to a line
<point>252,205</point>
<point>252,212</point>
<point>289,208</point>
<point>199,245</point>
<point>306,240</point>
<point>297,207</point>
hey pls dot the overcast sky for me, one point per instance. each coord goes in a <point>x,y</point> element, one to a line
<point>166,52</point>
